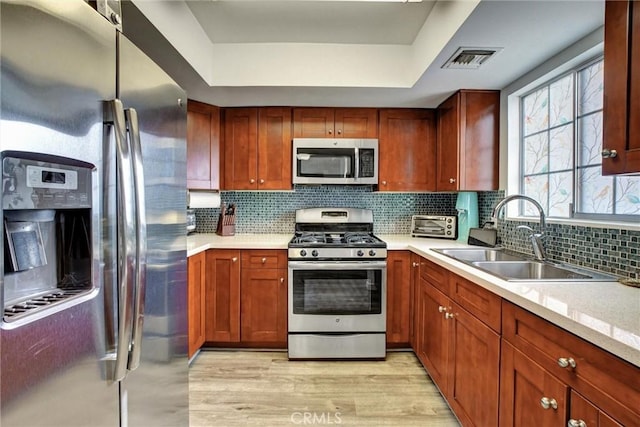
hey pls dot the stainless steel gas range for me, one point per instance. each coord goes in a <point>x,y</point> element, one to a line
<point>337,286</point>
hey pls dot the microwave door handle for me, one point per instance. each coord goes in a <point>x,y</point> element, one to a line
<point>125,239</point>
<point>356,173</point>
<point>141,239</point>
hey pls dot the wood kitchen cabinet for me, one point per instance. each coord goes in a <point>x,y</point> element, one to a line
<point>222,310</point>
<point>263,296</point>
<point>398,298</point>
<point>203,146</point>
<point>621,112</point>
<point>335,123</point>
<point>407,157</point>
<point>540,360</point>
<point>246,298</point>
<point>257,148</point>
<point>196,274</point>
<point>459,351</point>
<point>468,141</point>
<point>413,296</point>
<point>524,385</point>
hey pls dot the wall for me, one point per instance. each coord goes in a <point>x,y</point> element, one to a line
<point>274,212</point>
<point>606,249</point>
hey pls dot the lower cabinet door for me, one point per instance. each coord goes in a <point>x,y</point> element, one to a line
<point>222,315</point>
<point>529,395</point>
<point>586,414</point>
<point>474,359</point>
<point>263,302</point>
<point>433,333</point>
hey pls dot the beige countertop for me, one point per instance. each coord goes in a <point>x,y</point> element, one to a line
<point>604,313</point>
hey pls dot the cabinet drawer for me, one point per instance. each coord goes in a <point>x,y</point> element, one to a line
<point>435,275</point>
<point>483,304</point>
<point>264,259</point>
<point>604,379</point>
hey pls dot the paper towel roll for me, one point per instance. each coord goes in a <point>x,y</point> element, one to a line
<point>203,199</point>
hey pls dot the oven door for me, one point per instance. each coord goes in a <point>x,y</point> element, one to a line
<point>337,296</point>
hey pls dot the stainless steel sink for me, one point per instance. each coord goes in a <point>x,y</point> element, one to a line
<point>528,270</point>
<point>480,254</point>
<point>514,267</point>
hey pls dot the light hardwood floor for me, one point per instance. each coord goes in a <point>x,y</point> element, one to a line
<point>249,388</point>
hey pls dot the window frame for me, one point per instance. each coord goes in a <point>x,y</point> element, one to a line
<point>545,82</point>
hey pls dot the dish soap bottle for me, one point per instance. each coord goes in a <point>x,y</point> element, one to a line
<point>467,207</point>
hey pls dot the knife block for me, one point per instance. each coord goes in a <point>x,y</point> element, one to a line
<point>226,223</point>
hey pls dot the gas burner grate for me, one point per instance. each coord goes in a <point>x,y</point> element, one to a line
<point>16,311</point>
<point>352,238</point>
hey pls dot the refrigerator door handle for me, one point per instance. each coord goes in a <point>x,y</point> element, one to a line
<point>126,238</point>
<point>141,239</point>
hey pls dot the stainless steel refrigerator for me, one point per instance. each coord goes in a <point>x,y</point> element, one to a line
<point>93,280</point>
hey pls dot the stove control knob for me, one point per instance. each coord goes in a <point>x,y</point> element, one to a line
<point>372,253</point>
<point>303,253</point>
<point>360,253</point>
<point>314,253</point>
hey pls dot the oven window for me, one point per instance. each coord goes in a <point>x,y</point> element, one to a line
<point>342,292</point>
<point>326,162</point>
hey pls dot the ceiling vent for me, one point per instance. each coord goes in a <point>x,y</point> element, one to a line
<point>471,58</point>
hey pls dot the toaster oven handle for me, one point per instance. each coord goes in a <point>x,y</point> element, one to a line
<point>356,173</point>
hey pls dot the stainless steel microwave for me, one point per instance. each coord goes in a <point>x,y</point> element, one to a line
<point>335,161</point>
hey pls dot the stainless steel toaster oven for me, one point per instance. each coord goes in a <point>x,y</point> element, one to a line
<point>439,226</point>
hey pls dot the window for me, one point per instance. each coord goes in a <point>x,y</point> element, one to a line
<point>560,145</point>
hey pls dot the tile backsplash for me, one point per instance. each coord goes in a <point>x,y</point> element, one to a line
<point>274,212</point>
<point>609,250</point>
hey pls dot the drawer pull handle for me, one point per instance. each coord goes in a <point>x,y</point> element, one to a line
<point>264,260</point>
<point>576,423</point>
<point>566,362</point>
<point>442,309</point>
<point>547,403</point>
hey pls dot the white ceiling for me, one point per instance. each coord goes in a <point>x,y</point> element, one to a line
<point>326,53</point>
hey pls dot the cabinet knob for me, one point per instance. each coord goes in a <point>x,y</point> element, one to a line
<point>339,131</point>
<point>576,423</point>
<point>384,182</point>
<point>442,309</point>
<point>262,181</point>
<point>263,260</point>
<point>234,259</point>
<point>567,362</point>
<point>609,154</point>
<point>282,280</point>
<point>547,403</point>
<point>416,264</point>
<point>452,180</point>
<point>330,132</point>
<point>449,315</point>
<point>252,181</point>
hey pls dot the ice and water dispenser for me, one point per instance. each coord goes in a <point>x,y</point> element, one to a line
<point>46,209</point>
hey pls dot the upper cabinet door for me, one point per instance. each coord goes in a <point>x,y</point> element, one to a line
<point>621,88</point>
<point>241,148</point>
<point>407,150</point>
<point>356,123</point>
<point>203,146</point>
<point>274,148</point>
<point>313,123</point>
<point>468,141</point>
<point>335,123</point>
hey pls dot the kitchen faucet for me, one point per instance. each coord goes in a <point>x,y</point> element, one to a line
<point>536,238</point>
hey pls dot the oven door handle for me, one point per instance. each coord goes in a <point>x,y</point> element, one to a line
<point>342,265</point>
